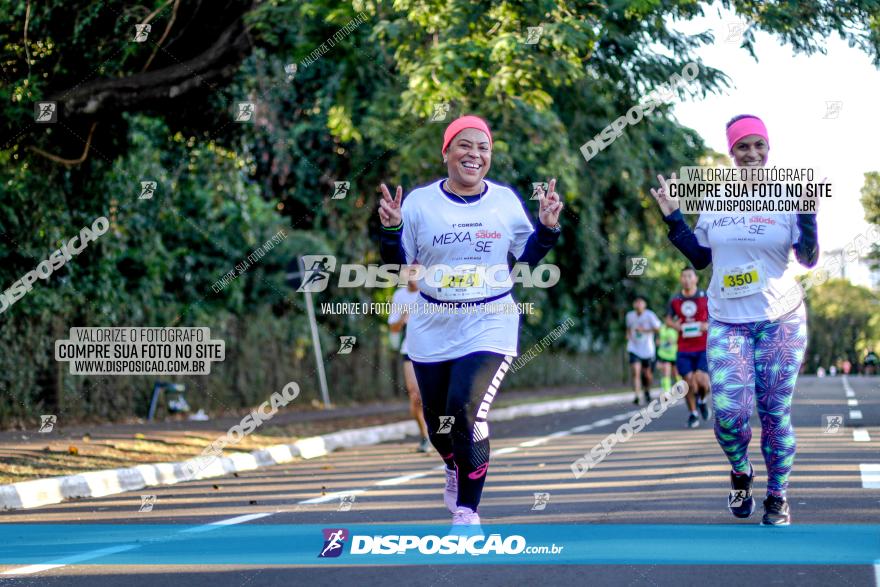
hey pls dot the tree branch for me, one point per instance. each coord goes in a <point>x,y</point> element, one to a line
<point>27,52</point>
<point>68,162</point>
<point>164,35</point>
<point>217,63</point>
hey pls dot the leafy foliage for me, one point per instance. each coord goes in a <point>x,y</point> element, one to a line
<point>358,109</point>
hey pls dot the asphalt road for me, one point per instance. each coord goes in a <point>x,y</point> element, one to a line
<point>665,474</point>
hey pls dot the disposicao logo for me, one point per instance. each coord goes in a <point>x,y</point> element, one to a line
<point>334,541</point>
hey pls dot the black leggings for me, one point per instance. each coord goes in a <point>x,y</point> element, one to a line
<point>463,388</point>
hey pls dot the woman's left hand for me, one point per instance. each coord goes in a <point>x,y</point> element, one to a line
<point>550,206</point>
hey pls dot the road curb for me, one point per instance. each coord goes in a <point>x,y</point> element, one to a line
<point>52,490</point>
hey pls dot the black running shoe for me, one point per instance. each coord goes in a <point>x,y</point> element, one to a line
<point>636,400</point>
<point>647,397</point>
<point>693,421</point>
<point>776,512</point>
<point>704,409</point>
<point>740,501</point>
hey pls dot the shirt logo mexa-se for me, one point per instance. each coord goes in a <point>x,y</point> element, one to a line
<point>334,541</point>
<point>448,238</point>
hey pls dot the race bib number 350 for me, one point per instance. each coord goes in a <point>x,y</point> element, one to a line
<point>737,282</point>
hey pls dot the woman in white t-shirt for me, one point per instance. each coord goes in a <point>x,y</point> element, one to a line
<point>461,230</point>
<point>757,326</point>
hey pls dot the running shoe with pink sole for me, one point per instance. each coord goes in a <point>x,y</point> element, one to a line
<point>466,522</point>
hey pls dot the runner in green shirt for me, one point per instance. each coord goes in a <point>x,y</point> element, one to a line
<point>667,348</point>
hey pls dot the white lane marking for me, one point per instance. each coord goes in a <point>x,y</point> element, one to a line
<point>30,569</point>
<point>501,451</point>
<point>323,499</point>
<point>870,475</point>
<point>401,479</point>
<point>226,522</point>
<point>852,403</point>
<point>850,393</point>
<point>506,451</point>
<point>855,414</point>
<point>861,435</point>
<point>332,496</point>
<point>545,439</point>
<point>92,554</point>
<point>877,573</point>
<point>534,442</point>
<point>70,560</point>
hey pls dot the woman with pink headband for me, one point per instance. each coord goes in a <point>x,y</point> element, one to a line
<point>754,350</point>
<point>463,228</point>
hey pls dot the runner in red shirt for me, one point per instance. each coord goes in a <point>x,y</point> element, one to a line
<point>688,312</point>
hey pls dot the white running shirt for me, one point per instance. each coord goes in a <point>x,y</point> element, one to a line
<point>751,246</point>
<point>641,344</point>
<point>438,231</point>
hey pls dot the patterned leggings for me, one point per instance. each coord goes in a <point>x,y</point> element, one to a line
<point>757,360</point>
<point>463,388</point>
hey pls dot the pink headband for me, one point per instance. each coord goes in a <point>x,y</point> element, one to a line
<point>751,125</point>
<point>459,124</point>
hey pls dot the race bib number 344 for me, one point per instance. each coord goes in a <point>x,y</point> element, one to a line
<point>467,284</point>
<point>461,280</point>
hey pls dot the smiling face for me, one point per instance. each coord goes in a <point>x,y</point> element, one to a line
<point>750,151</point>
<point>469,157</point>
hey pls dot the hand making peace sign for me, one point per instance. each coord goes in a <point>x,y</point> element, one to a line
<point>667,205</point>
<point>389,208</point>
<point>550,206</point>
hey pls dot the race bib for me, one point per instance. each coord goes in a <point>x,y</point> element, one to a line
<point>746,280</point>
<point>691,329</point>
<point>463,284</point>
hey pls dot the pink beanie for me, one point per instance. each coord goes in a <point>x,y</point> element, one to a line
<point>459,124</point>
<point>750,125</point>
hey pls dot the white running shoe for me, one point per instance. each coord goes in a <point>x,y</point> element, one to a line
<point>464,516</point>
<point>450,494</point>
<point>466,522</point>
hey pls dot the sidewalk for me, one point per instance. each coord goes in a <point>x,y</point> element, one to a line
<point>122,457</point>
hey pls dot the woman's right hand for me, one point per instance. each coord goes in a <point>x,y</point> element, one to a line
<point>667,205</point>
<point>389,208</point>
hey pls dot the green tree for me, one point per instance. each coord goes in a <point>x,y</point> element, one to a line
<point>162,109</point>
<point>871,204</point>
<point>843,323</point>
